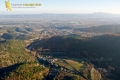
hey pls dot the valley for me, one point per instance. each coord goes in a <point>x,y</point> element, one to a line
<point>59,47</point>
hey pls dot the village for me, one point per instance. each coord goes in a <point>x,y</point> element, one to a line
<point>56,65</point>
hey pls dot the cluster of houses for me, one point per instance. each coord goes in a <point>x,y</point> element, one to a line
<point>49,61</point>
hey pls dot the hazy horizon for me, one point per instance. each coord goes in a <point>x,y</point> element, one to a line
<point>64,7</point>
<point>60,13</point>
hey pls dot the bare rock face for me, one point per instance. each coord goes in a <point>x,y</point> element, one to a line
<point>91,73</point>
<point>94,74</point>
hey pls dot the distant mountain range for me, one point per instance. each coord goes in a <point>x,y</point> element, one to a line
<point>92,15</point>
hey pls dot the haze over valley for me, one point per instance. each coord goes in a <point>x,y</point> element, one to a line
<point>60,46</point>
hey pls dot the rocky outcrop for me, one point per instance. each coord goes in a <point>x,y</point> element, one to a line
<point>91,73</point>
<point>94,74</point>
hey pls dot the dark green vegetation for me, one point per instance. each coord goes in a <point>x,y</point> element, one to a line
<point>16,64</point>
<point>103,51</point>
<point>13,52</point>
<point>26,71</point>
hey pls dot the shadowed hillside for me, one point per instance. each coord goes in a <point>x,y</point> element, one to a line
<point>103,51</point>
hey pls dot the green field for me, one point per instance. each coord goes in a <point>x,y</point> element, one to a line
<point>63,64</point>
<point>75,64</point>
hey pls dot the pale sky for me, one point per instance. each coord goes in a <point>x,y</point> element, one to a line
<point>64,6</point>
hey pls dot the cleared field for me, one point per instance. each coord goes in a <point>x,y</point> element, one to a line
<point>76,65</point>
<point>63,64</point>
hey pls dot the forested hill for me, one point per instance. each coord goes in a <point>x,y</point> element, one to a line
<point>106,47</point>
<point>115,28</point>
<point>13,52</point>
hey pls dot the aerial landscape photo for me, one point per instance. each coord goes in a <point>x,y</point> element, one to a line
<point>60,40</point>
